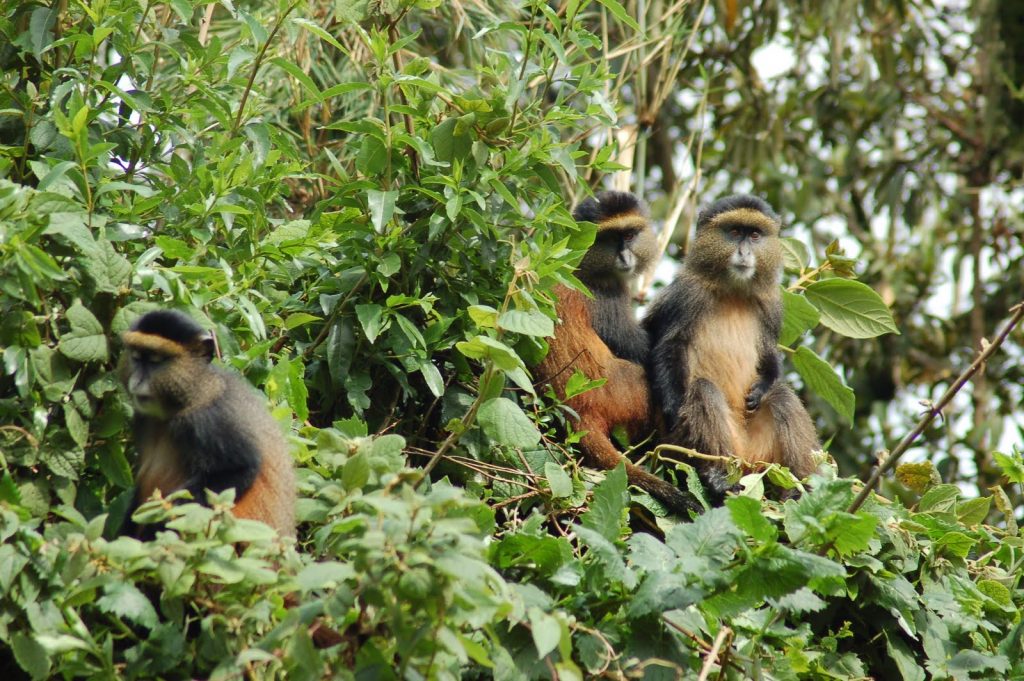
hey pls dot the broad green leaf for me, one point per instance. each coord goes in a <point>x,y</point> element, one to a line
<point>823,380</point>
<point>851,308</point>
<point>297,319</point>
<point>545,630</point>
<point>529,322</point>
<point>558,479</point>
<point>956,543</point>
<point>31,656</point>
<point>798,317</point>
<point>794,254</point>
<point>484,347</point>
<point>484,316</point>
<point>941,498</point>
<point>506,424</point>
<point>85,342</point>
<point>324,575</point>
<point>973,511</point>
<point>371,319</point>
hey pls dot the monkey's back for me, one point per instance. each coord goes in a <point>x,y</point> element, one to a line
<point>271,498</point>
<point>576,346</point>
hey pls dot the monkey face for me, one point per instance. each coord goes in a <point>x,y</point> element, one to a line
<point>138,377</point>
<point>746,242</point>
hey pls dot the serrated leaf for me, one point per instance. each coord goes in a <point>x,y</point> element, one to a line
<point>126,601</point>
<point>799,316</point>
<point>823,380</point>
<point>85,342</point>
<point>558,480</point>
<point>1011,465</point>
<point>608,503</point>
<point>506,424</point>
<point>851,308</point>
<point>852,534</point>
<point>530,323</point>
<point>747,514</point>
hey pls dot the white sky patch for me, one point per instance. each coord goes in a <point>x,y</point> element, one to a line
<point>772,60</point>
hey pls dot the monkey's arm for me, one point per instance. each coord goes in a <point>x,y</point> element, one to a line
<point>215,460</point>
<point>769,369</point>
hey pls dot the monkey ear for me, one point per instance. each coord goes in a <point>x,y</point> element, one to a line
<point>207,345</point>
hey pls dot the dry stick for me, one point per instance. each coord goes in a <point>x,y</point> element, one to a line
<point>947,397</point>
<point>713,653</point>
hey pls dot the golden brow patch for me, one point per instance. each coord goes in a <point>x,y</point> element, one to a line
<point>630,220</point>
<point>745,216</point>
<point>153,343</point>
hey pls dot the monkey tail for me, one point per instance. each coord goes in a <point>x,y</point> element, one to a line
<point>676,500</point>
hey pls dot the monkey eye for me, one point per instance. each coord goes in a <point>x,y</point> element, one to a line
<point>755,235</point>
<point>628,237</point>
<point>734,233</point>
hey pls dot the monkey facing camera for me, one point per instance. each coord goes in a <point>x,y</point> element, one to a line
<point>715,367</point>
<point>600,337</point>
<point>199,427</point>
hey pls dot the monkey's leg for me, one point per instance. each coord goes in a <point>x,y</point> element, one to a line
<point>707,424</point>
<point>781,431</point>
<point>624,400</point>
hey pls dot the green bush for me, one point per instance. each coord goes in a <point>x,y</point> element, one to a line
<point>369,205</point>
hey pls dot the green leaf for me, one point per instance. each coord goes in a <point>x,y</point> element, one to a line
<point>545,630</point>
<point>126,601</point>
<point>297,319</point>
<point>558,479</point>
<point>851,308</point>
<point>607,506</point>
<point>1012,465</point>
<point>371,318</point>
<point>85,342</point>
<point>748,516</point>
<point>973,511</point>
<point>956,543</point>
<point>382,207</point>
<point>506,424</point>
<point>30,655</point>
<point>531,323</point>
<point>373,157</point>
<point>939,498</point>
<point>433,378</point>
<point>621,14</point>
<point>799,316</point>
<point>794,254</point>
<point>324,575</point>
<point>484,316</point>
<point>823,380</point>
<point>484,347</point>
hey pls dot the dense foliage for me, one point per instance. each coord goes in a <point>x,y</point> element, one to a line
<point>369,204</point>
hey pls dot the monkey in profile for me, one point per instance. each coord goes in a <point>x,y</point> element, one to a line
<point>601,338</point>
<point>200,427</point>
<point>715,367</point>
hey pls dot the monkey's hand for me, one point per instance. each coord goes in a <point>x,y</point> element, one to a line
<point>756,394</point>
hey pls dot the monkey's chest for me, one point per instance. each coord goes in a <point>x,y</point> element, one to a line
<point>159,468</point>
<point>725,352</point>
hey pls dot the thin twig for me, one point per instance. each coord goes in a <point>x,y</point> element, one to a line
<point>986,352</point>
<point>712,655</point>
<point>258,63</point>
